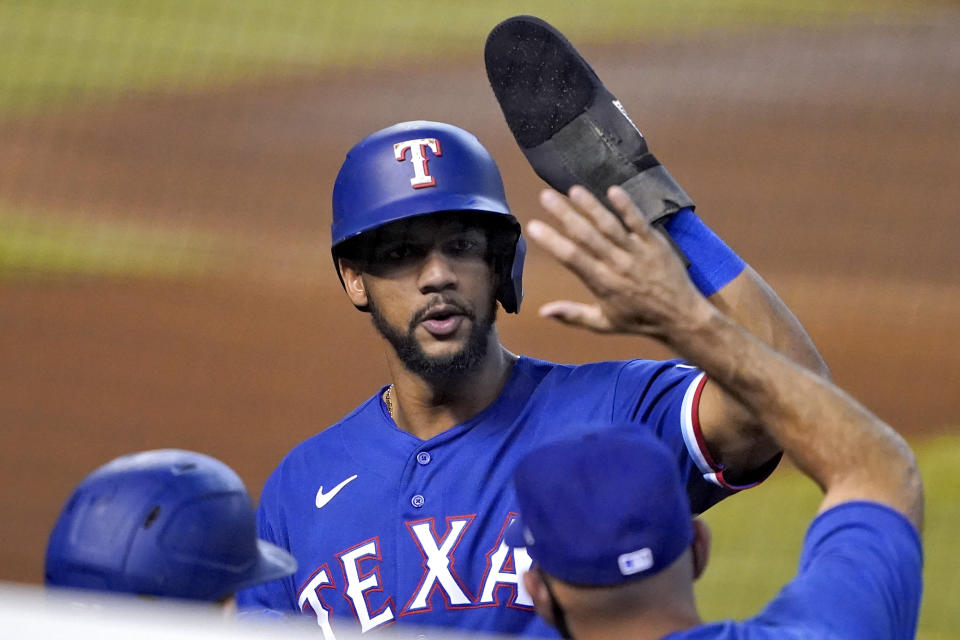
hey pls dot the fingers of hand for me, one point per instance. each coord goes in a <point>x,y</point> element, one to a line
<point>629,213</point>
<point>591,270</point>
<point>602,218</point>
<point>644,236</point>
<point>611,244</point>
<point>574,225</point>
<point>577,314</point>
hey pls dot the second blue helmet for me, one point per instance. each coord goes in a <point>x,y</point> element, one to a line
<point>168,523</point>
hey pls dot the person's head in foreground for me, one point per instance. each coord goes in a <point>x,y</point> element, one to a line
<point>165,523</point>
<point>615,552</point>
<point>607,523</point>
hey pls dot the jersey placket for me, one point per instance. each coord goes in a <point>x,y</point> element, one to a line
<point>430,531</point>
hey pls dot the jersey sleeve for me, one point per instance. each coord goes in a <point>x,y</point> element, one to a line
<point>665,396</point>
<point>273,598</point>
<point>860,576</point>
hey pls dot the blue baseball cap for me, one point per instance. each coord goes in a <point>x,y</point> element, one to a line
<point>603,509</point>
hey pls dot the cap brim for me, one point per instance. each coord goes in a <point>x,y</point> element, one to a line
<point>514,533</point>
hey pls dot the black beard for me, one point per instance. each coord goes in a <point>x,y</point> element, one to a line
<point>438,368</point>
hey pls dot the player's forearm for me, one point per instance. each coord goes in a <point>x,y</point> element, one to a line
<point>847,450</point>
<point>737,290</point>
<point>754,305</point>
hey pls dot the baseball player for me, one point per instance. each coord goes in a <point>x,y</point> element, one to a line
<point>606,519</point>
<point>396,513</point>
<point>170,523</point>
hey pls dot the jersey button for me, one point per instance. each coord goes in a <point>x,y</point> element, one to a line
<point>423,458</point>
<point>417,501</point>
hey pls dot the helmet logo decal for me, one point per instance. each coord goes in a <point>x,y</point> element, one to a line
<point>418,156</point>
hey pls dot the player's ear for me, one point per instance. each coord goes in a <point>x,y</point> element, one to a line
<point>353,282</point>
<point>700,546</point>
<point>534,585</point>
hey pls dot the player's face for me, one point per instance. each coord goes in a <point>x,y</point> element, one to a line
<point>431,293</point>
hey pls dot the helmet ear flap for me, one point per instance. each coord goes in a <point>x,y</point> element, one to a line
<point>510,273</point>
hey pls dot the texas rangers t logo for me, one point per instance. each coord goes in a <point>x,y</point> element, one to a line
<point>418,156</point>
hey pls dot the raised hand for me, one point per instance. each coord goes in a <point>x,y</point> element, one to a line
<point>641,285</point>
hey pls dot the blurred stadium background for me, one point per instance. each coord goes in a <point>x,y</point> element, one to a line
<point>165,173</point>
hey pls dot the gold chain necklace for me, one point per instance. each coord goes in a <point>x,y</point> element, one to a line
<point>388,397</point>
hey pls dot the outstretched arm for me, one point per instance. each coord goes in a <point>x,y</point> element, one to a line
<point>843,447</point>
<point>643,288</point>
<point>735,437</point>
<point>734,434</point>
<point>756,307</point>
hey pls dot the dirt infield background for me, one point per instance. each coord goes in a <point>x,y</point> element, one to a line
<point>829,160</point>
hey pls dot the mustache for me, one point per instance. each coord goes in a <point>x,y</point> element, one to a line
<point>441,301</point>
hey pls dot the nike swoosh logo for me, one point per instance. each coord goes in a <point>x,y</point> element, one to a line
<point>324,498</point>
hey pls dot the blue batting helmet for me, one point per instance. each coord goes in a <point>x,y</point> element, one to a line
<point>165,523</point>
<point>417,168</point>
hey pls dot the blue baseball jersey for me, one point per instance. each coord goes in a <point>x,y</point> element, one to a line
<point>388,528</point>
<point>860,576</point>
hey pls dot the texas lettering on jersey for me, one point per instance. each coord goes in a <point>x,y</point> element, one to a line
<point>389,529</point>
<point>358,576</point>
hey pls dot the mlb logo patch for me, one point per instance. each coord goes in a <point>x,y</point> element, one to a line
<point>635,561</point>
